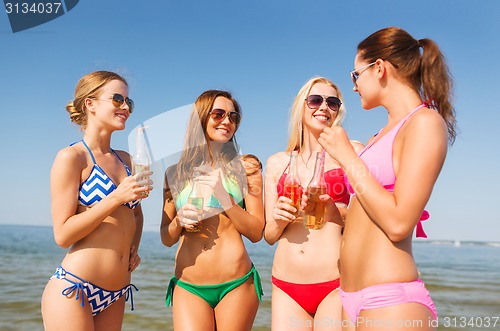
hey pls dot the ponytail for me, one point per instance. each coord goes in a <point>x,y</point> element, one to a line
<point>420,63</point>
<point>437,84</point>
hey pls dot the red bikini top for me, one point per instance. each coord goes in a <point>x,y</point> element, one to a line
<point>335,185</point>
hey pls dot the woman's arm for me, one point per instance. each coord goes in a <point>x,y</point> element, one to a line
<point>136,240</point>
<point>279,212</point>
<point>70,227</point>
<point>423,146</point>
<point>249,222</point>
<point>170,228</point>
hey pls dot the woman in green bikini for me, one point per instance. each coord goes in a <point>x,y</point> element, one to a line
<point>216,285</point>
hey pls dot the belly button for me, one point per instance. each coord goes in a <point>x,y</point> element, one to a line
<point>301,252</point>
<point>205,248</point>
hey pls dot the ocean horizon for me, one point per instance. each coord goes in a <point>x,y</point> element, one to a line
<point>463,278</point>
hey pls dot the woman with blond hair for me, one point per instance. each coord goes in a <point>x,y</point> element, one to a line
<point>305,272</point>
<point>95,212</point>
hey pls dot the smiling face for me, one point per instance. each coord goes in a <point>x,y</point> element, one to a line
<point>319,118</point>
<point>103,112</point>
<point>221,130</point>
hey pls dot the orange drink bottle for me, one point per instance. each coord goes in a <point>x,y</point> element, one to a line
<point>317,186</point>
<point>292,188</point>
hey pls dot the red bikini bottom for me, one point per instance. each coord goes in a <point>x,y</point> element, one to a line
<point>308,296</point>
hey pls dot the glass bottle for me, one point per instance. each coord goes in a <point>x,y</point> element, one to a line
<point>141,158</point>
<point>196,198</point>
<point>315,218</point>
<point>292,188</point>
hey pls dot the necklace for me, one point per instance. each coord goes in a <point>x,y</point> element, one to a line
<point>303,161</point>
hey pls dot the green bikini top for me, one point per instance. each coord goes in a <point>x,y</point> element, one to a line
<point>230,185</point>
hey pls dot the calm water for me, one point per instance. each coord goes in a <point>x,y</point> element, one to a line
<point>464,280</point>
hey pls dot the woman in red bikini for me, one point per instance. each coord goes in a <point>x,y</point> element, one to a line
<point>305,269</point>
<point>380,280</point>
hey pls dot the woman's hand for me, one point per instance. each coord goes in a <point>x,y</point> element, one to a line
<point>336,143</point>
<point>332,212</point>
<point>213,179</point>
<point>134,187</point>
<point>283,210</point>
<point>187,216</point>
<point>134,259</point>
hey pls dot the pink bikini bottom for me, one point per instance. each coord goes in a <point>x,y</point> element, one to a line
<point>383,295</point>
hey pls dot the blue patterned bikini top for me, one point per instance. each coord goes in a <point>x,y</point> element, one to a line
<point>98,185</point>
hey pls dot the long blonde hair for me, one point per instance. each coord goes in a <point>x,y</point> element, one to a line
<point>296,127</point>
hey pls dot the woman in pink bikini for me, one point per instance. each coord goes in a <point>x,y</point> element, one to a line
<point>380,286</point>
<point>305,271</point>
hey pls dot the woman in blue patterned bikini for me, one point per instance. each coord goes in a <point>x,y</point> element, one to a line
<point>95,212</point>
<point>216,285</point>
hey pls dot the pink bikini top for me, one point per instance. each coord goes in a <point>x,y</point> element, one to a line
<point>377,156</point>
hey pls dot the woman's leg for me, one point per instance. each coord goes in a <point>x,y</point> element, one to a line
<point>111,318</point>
<point>190,312</point>
<point>237,310</point>
<point>64,313</point>
<point>404,317</point>
<point>329,313</point>
<point>287,314</point>
<point>347,325</point>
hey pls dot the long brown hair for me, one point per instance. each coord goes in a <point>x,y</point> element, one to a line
<point>197,149</point>
<point>420,63</point>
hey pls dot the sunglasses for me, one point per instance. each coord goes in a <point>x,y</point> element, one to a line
<point>314,101</point>
<point>118,100</point>
<point>218,115</point>
<point>355,74</point>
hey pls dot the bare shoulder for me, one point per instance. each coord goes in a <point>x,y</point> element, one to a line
<point>426,122</point>
<point>125,156</point>
<point>169,176</point>
<point>71,155</point>
<point>276,164</point>
<point>357,146</point>
<point>278,159</point>
<point>69,163</point>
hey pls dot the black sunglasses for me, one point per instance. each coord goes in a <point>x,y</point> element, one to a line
<point>314,101</point>
<point>218,115</point>
<point>118,100</point>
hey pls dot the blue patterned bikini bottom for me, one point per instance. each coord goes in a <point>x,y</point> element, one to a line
<point>98,298</point>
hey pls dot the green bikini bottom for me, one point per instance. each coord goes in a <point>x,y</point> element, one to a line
<point>213,294</point>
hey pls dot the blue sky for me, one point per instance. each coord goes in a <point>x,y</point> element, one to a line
<point>262,51</point>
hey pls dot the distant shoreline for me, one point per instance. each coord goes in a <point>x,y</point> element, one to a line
<point>451,242</point>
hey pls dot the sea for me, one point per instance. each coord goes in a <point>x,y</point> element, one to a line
<point>462,277</point>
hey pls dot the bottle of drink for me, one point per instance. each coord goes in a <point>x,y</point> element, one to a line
<point>292,188</point>
<point>196,198</point>
<point>141,158</point>
<point>315,218</point>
